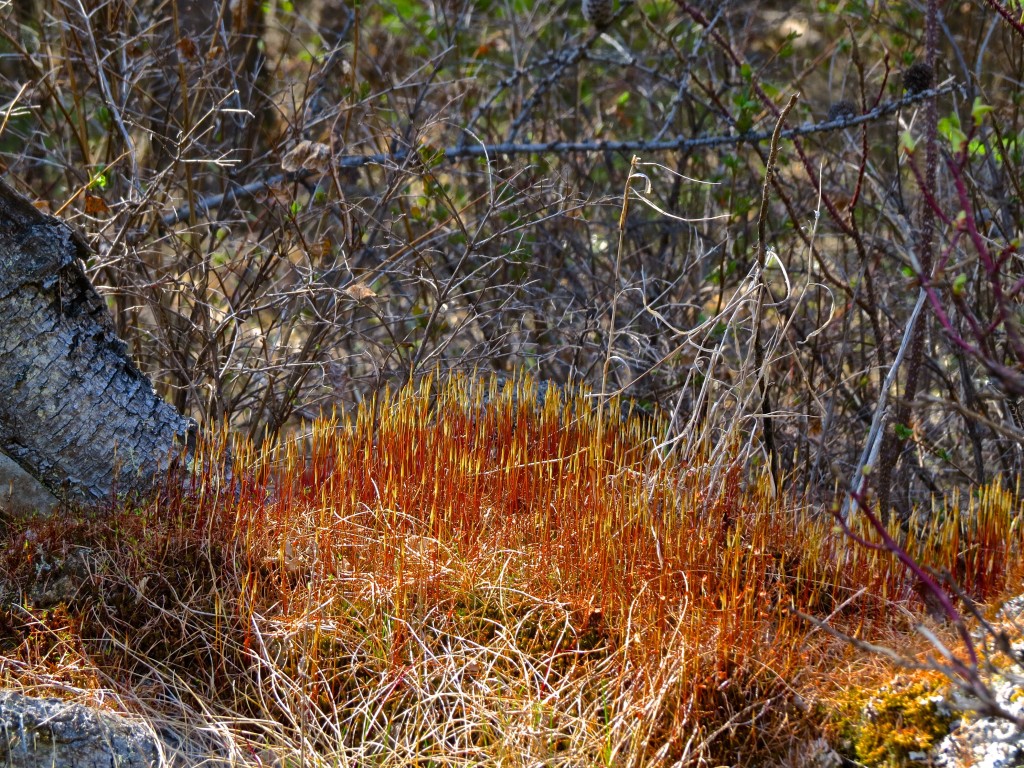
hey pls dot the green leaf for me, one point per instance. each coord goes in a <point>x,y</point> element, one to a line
<point>959,284</point>
<point>902,431</point>
<point>979,110</point>
<point>950,129</point>
<point>907,142</point>
<point>431,156</point>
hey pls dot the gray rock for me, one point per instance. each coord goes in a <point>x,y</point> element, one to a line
<point>986,742</point>
<point>20,493</point>
<point>62,580</point>
<point>52,733</point>
<point>989,742</point>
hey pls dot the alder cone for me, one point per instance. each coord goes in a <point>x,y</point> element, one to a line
<point>918,77</point>
<point>598,12</point>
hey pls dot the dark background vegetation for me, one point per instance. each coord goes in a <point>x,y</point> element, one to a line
<point>261,280</point>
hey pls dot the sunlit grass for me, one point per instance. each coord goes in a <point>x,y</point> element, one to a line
<point>454,575</point>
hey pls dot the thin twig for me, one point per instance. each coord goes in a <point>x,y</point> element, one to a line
<point>873,443</point>
<point>765,406</point>
<point>465,152</point>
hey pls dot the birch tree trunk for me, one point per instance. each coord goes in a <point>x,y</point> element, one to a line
<point>75,411</point>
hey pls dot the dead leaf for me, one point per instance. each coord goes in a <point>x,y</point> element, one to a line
<point>187,48</point>
<point>311,155</point>
<point>321,249</point>
<point>359,291</point>
<point>279,195</point>
<point>95,205</point>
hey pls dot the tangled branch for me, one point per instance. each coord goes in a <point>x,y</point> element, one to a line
<point>488,151</point>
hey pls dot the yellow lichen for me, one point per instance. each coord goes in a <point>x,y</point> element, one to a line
<point>888,727</point>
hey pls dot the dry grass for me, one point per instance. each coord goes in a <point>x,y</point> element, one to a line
<point>498,585</point>
<point>453,577</point>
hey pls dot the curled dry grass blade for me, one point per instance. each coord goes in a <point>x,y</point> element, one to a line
<point>456,574</point>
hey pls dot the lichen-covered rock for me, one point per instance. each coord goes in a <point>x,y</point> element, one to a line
<point>52,733</point>
<point>982,743</point>
<point>989,742</point>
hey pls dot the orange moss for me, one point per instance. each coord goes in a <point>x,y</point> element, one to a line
<point>438,537</point>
